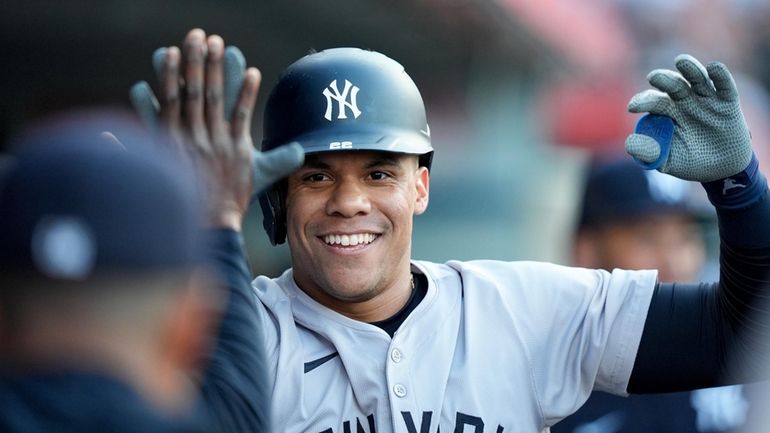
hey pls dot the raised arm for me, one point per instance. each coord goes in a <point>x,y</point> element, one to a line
<point>703,335</point>
<point>195,86</point>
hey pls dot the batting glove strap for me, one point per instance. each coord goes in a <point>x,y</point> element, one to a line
<point>740,190</point>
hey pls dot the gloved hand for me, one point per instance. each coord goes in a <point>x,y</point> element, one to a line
<point>267,167</point>
<point>710,139</point>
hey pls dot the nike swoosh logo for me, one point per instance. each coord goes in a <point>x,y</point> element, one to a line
<point>312,365</point>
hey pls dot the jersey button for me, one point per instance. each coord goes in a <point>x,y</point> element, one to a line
<point>396,355</point>
<point>399,390</point>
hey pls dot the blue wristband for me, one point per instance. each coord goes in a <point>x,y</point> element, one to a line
<point>740,190</point>
<point>661,129</point>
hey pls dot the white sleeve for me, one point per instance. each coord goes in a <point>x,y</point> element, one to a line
<point>581,328</point>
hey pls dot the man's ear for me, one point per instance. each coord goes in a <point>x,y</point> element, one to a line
<point>191,326</point>
<point>422,183</point>
<point>584,249</point>
<point>196,326</point>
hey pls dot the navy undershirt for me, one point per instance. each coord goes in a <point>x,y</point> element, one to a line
<point>391,324</point>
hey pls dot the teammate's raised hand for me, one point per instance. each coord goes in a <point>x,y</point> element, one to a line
<point>205,108</point>
<point>710,139</point>
<point>146,103</point>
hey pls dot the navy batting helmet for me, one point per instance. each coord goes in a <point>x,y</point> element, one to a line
<point>342,99</point>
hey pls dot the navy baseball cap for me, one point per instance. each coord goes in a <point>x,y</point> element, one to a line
<point>619,190</point>
<point>74,205</point>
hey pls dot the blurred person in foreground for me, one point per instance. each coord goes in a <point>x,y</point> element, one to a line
<point>633,218</point>
<point>112,285</point>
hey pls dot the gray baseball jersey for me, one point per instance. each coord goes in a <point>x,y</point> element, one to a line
<point>493,347</point>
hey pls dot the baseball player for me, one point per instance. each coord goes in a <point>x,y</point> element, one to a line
<point>362,338</point>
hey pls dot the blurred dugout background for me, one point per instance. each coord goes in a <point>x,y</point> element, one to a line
<point>519,93</point>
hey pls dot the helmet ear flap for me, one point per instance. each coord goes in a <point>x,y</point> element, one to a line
<point>273,214</point>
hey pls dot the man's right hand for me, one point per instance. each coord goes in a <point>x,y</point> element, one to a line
<point>204,110</point>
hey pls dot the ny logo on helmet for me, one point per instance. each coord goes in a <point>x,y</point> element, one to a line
<point>342,100</point>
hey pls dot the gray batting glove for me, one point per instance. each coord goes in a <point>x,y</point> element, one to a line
<point>710,139</point>
<point>273,165</point>
<point>267,167</point>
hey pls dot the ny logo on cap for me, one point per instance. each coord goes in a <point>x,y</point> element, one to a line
<point>342,100</point>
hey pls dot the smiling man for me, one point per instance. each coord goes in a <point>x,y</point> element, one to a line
<point>350,220</point>
<point>361,337</point>
<point>347,213</point>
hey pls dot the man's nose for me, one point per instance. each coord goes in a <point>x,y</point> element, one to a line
<point>349,198</point>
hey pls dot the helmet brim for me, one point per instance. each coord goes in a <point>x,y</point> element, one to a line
<point>404,142</point>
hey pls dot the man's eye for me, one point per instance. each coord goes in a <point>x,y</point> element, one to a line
<point>316,177</point>
<point>378,175</point>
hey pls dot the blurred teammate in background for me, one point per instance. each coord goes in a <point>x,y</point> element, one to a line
<point>633,218</point>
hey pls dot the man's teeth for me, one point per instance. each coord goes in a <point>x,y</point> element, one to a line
<point>346,240</point>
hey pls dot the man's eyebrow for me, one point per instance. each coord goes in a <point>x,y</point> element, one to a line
<point>383,160</point>
<point>315,162</point>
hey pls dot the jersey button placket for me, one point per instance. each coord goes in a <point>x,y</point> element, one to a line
<point>399,384</point>
<point>396,355</point>
<point>399,389</point>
